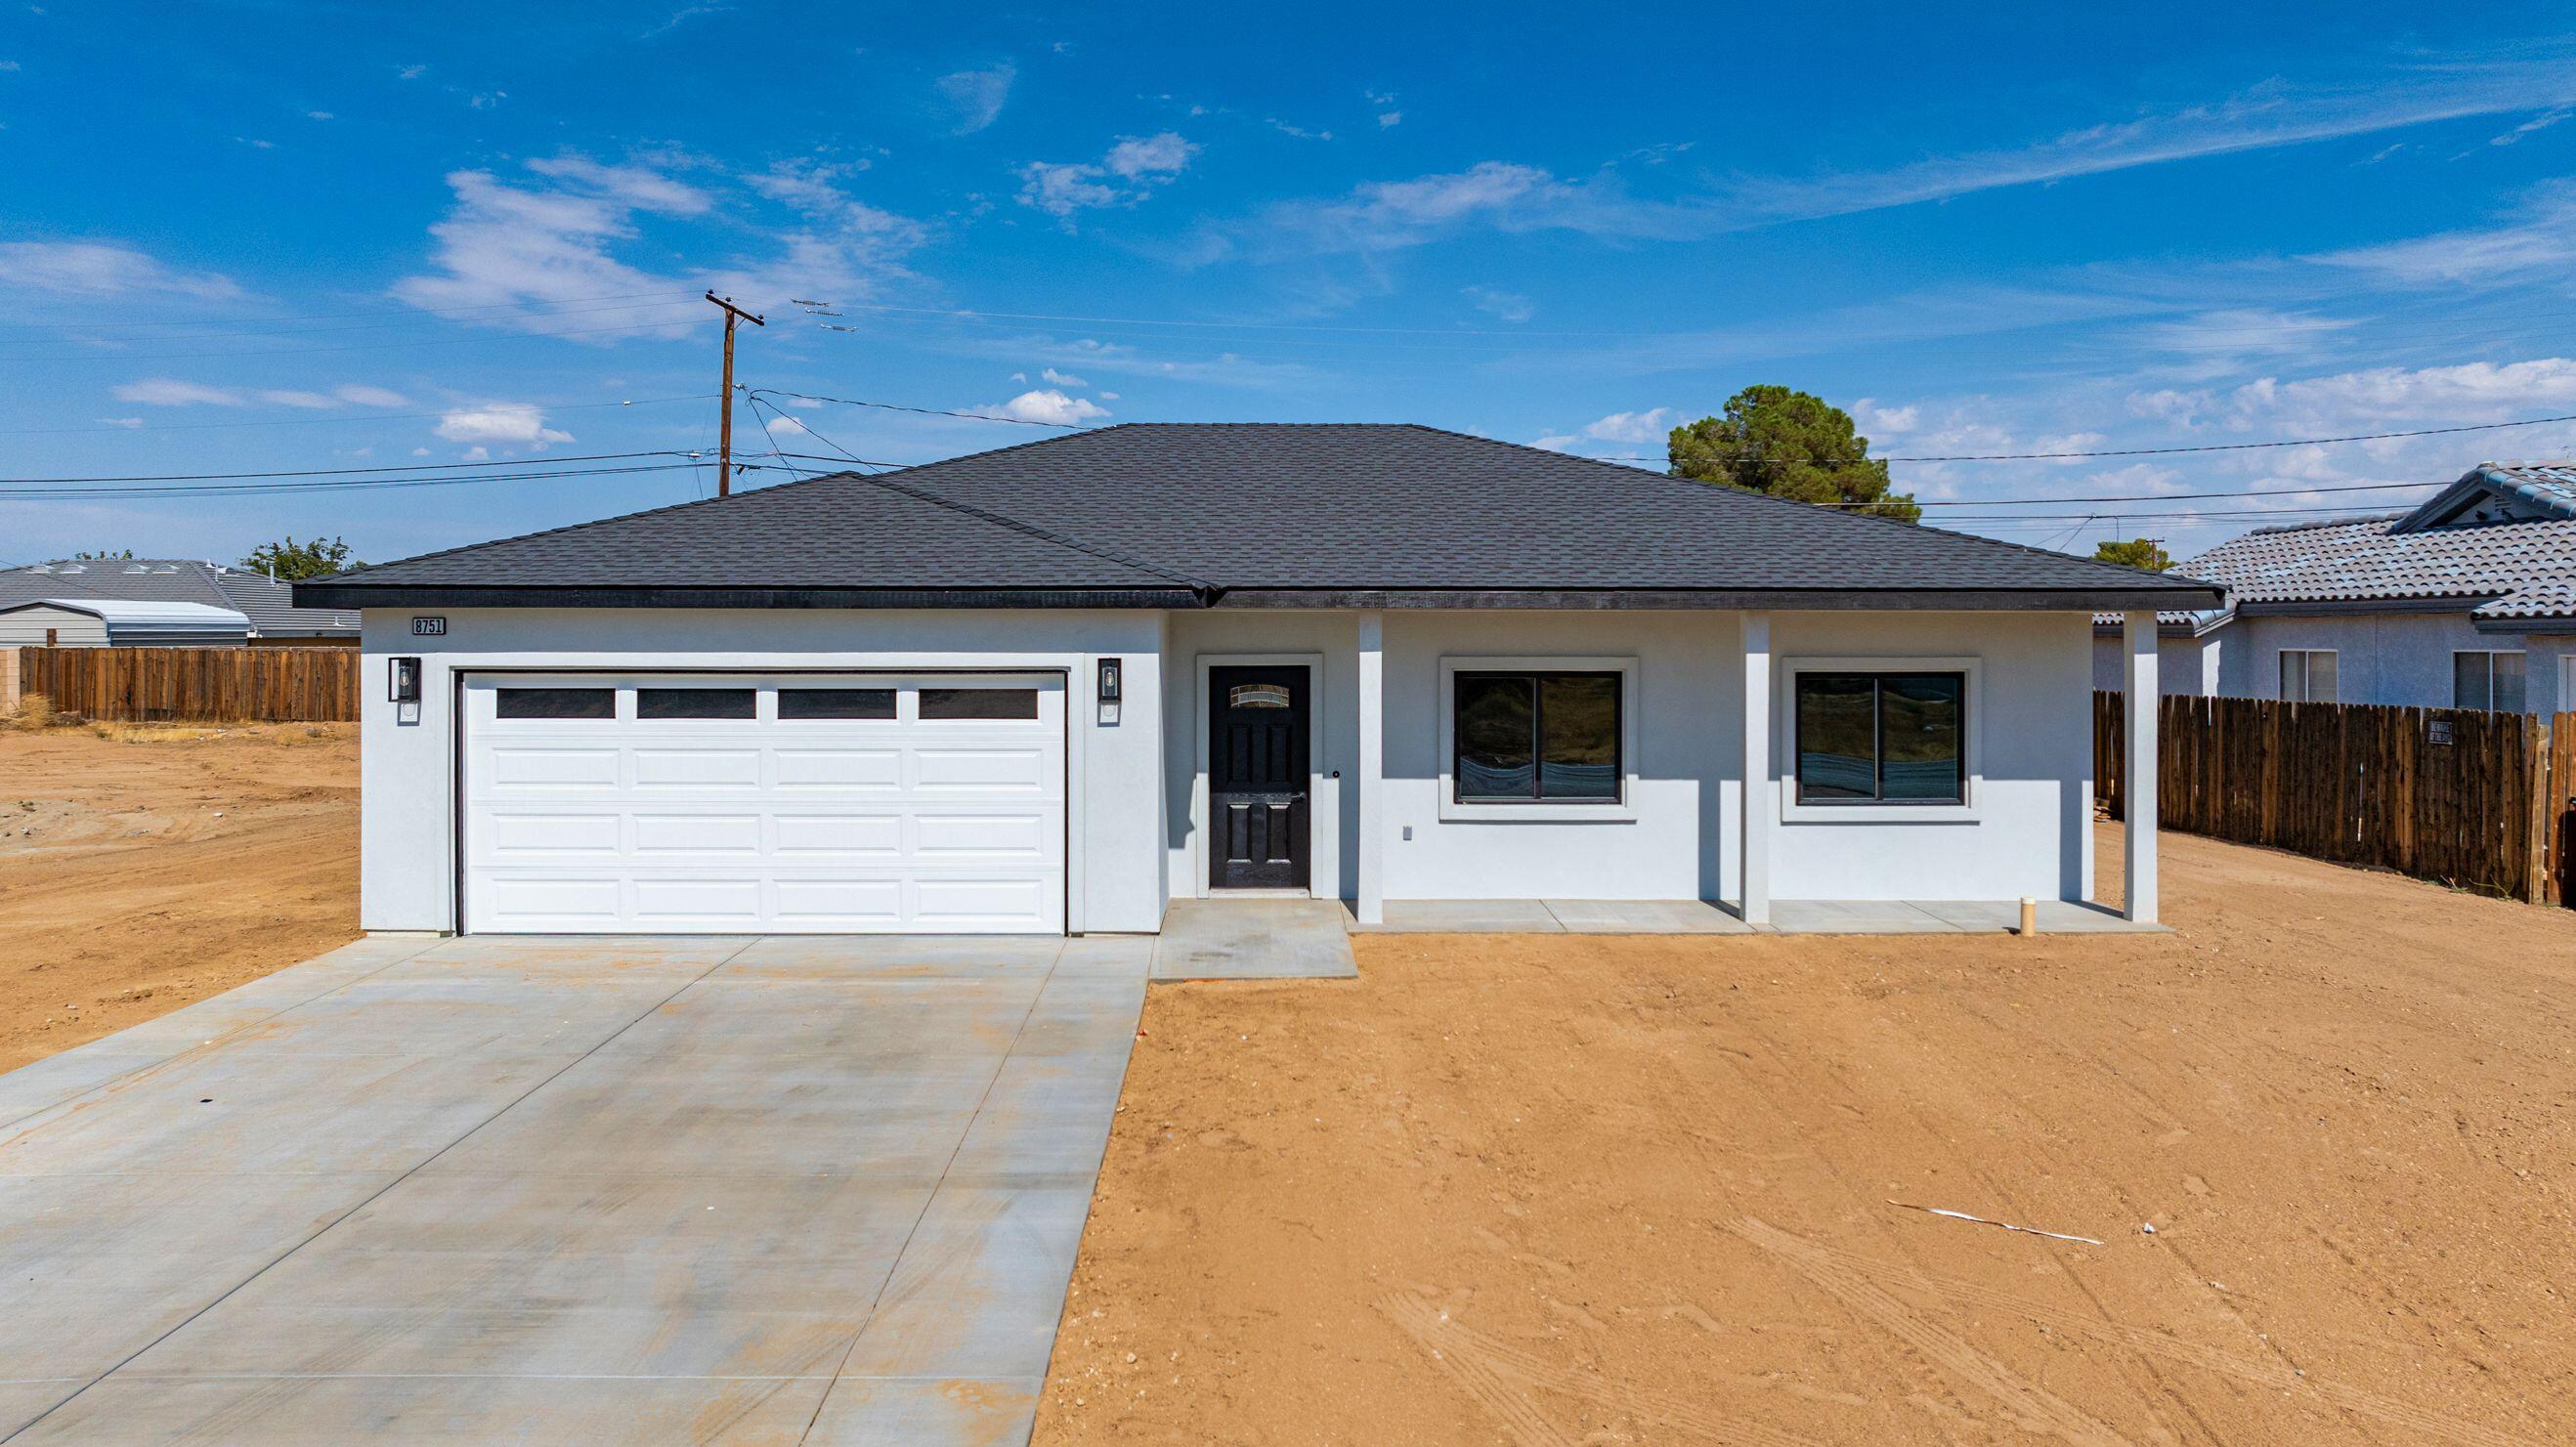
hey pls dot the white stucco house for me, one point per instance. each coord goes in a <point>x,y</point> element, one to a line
<point>2468,601</point>
<point>1053,687</point>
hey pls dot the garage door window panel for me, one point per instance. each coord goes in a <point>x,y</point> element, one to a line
<point>554,703</point>
<point>849,704</point>
<point>958,704</point>
<point>697,703</point>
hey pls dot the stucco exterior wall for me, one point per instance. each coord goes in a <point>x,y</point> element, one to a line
<point>2384,658</point>
<point>1136,805</point>
<point>407,771</point>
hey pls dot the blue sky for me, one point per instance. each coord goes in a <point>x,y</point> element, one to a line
<point>267,237</point>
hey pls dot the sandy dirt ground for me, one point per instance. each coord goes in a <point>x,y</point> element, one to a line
<point>1564,1190</point>
<point>146,870</point>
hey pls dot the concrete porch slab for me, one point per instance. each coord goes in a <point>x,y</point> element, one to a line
<point>1943,916</point>
<point>1645,917</point>
<point>1254,939</point>
<point>1464,916</point>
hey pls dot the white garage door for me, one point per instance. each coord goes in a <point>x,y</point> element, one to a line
<point>814,803</point>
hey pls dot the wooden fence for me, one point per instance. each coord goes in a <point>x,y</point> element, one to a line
<point>2472,799</point>
<point>210,684</point>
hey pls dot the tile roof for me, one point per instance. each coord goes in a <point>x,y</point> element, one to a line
<point>1291,507</point>
<point>2527,567</point>
<point>268,603</point>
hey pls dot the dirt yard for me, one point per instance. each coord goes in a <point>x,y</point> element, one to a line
<point>153,867</point>
<point>1565,1190</point>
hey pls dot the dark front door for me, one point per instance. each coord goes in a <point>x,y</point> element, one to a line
<point>1257,763</point>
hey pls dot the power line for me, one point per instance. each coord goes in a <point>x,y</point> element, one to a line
<point>923,411</point>
<point>421,318</point>
<point>350,417</point>
<point>335,484</point>
<point>2099,452</point>
<point>338,471</point>
<point>342,316</point>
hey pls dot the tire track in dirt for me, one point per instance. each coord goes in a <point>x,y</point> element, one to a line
<point>1822,1259</point>
<point>2033,1406</point>
<point>1499,1375</point>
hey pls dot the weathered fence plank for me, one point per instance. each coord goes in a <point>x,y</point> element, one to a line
<point>2472,799</point>
<point>209,684</point>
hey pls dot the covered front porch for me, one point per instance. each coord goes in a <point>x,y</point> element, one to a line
<point>1706,700</point>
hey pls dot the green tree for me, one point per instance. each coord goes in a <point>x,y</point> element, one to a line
<point>289,560</point>
<point>1789,444</point>
<point>2135,553</point>
<point>104,556</point>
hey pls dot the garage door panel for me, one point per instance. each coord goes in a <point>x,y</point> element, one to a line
<point>1025,835</point>
<point>807,769</point>
<point>524,768</point>
<point>981,768</point>
<point>553,901</point>
<point>957,903</point>
<point>816,824</point>
<point>840,834</point>
<point>669,767</point>
<point>839,903</point>
<point>513,832</point>
<point>698,834</point>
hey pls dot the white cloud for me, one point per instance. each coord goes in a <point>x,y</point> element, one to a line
<point>1556,442</point>
<point>2540,241</point>
<point>1047,405</point>
<point>1388,120</point>
<point>1504,305</point>
<point>1063,379</point>
<point>128,423</point>
<point>2540,122</point>
<point>977,96</point>
<point>510,424</point>
<point>1160,154</point>
<point>1647,426</point>
<point>504,245</point>
<point>1877,421</point>
<point>320,116</point>
<point>98,268</point>
<point>8,65</point>
<point>2373,399</point>
<point>171,392</point>
<point>1499,195</point>
<point>639,187</point>
<point>1131,169</point>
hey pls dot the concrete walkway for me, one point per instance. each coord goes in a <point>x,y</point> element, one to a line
<point>569,1190</point>
<point>1699,917</point>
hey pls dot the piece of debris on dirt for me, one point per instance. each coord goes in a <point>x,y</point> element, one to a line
<point>2006,1225</point>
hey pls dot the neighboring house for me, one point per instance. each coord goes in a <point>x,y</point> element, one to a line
<point>2468,601</point>
<point>119,623</point>
<point>266,603</point>
<point>1050,687</point>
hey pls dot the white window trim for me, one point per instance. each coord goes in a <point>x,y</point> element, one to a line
<point>1784,748</point>
<point>2491,655</point>
<point>1631,705</point>
<point>2308,671</point>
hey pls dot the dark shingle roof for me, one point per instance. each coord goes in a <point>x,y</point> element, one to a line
<point>268,603</point>
<point>1237,507</point>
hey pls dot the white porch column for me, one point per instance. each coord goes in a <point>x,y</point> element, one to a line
<point>1756,805</point>
<point>2138,791</point>
<point>1371,905</point>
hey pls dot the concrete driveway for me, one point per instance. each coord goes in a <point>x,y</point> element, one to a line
<point>768,1190</point>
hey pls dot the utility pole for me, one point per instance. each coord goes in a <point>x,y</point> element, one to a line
<point>724,433</point>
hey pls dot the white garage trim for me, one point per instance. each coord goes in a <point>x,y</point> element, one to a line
<point>592,815</point>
